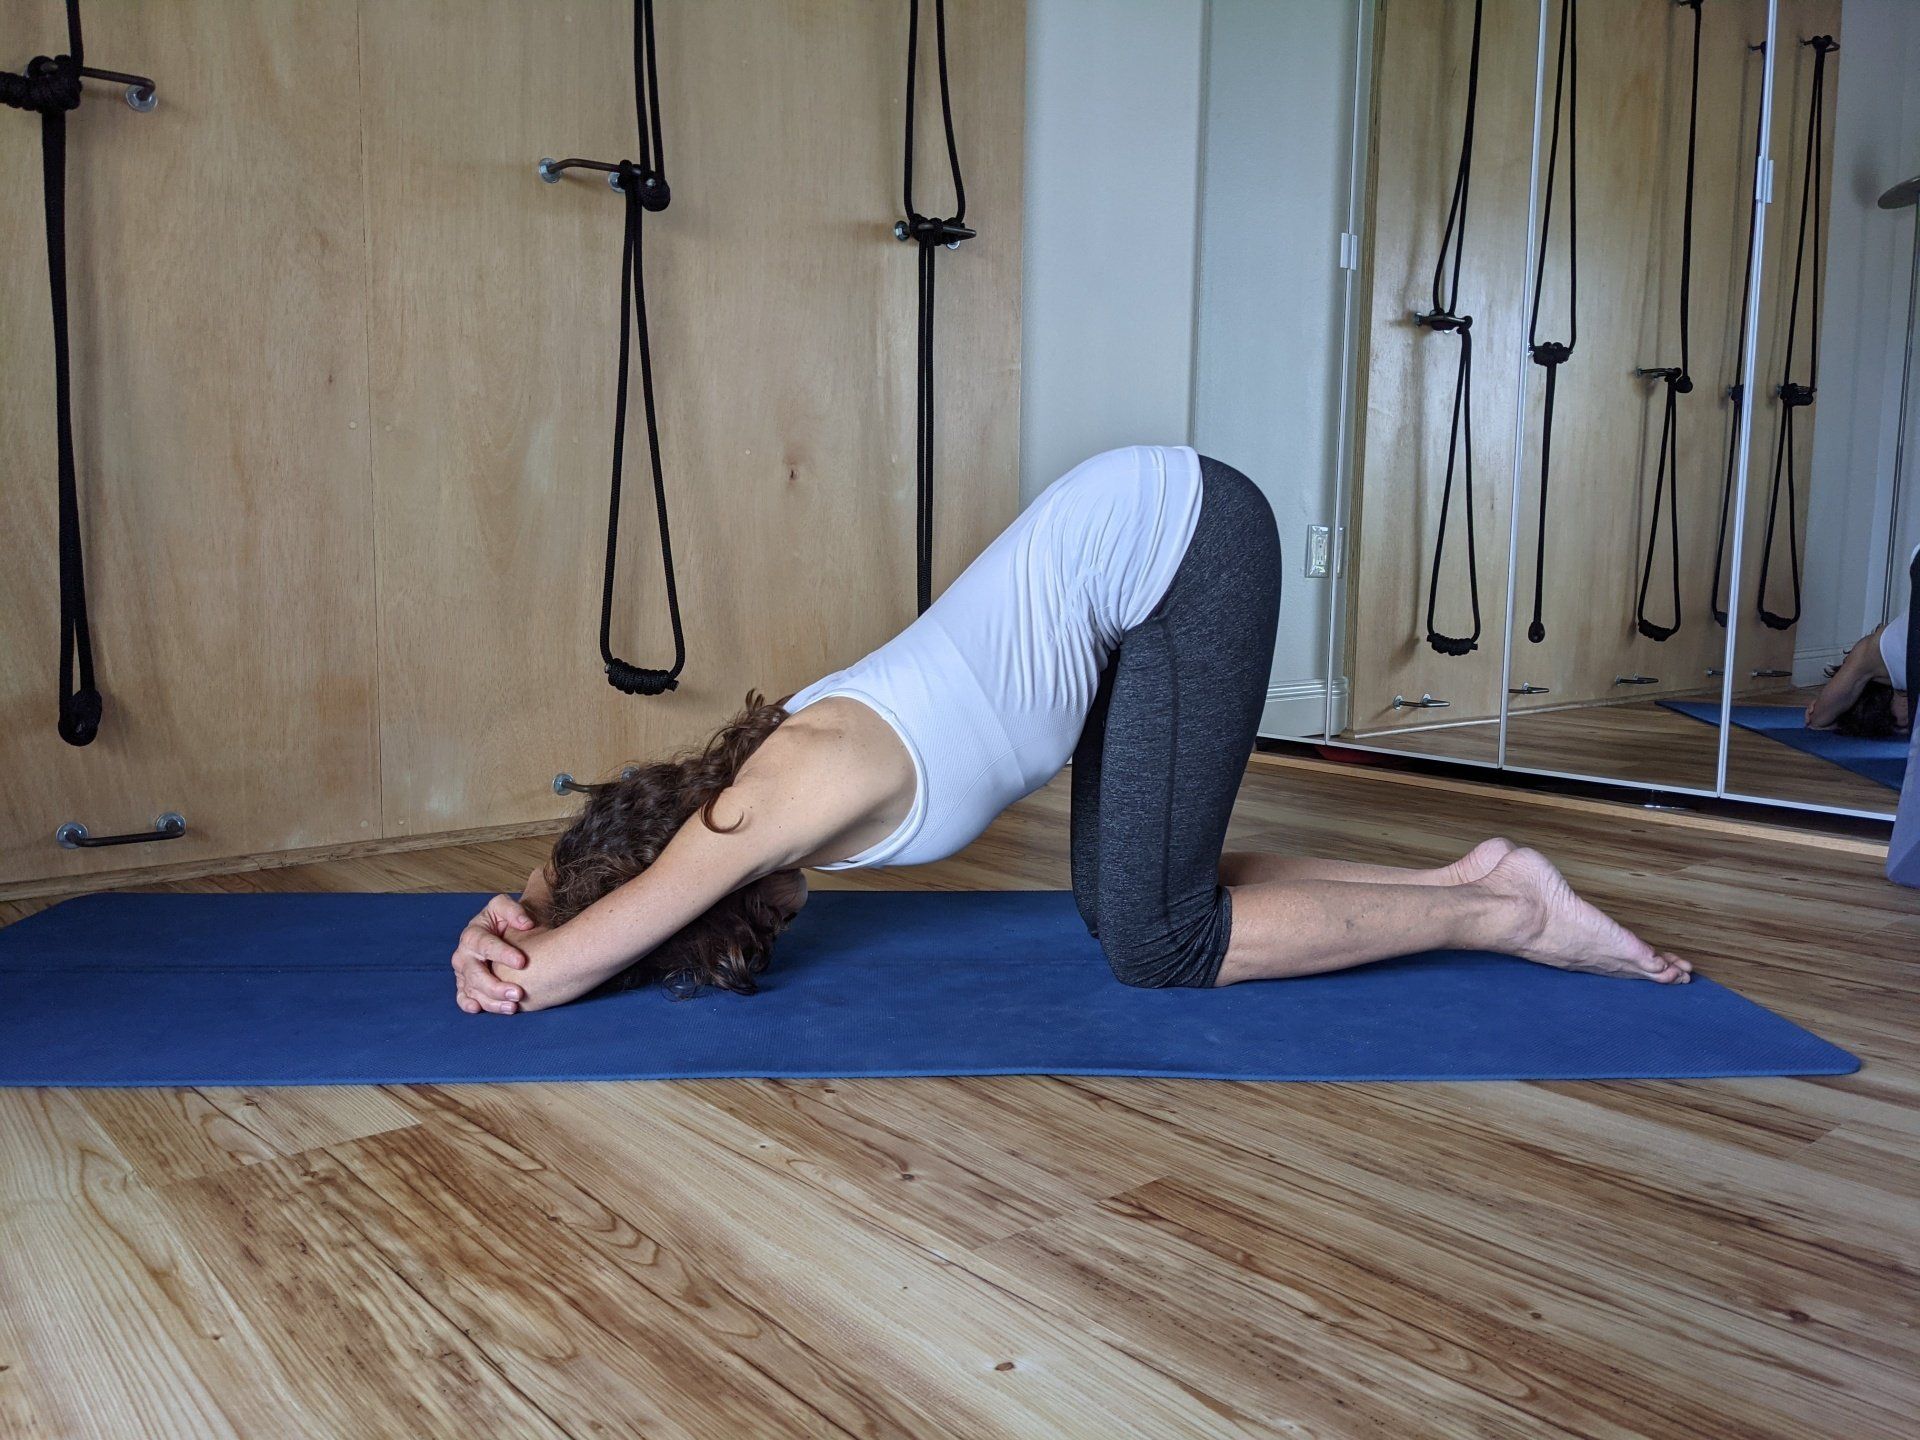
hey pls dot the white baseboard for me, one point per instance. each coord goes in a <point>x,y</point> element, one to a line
<point>1298,711</point>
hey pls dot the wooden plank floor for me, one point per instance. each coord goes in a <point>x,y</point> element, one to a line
<point>1026,1256</point>
<point>1643,743</point>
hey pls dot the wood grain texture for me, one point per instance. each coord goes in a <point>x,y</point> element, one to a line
<point>1019,1256</point>
<point>782,316</point>
<point>346,370</point>
<point>216,256</point>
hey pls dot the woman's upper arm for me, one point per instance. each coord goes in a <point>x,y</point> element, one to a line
<point>697,868</point>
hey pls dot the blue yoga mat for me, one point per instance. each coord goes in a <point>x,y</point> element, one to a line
<point>356,989</point>
<point>1882,761</point>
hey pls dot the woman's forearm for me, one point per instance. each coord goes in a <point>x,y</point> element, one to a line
<point>537,893</point>
<point>697,868</point>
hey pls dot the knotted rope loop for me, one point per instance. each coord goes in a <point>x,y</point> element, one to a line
<point>637,680</point>
<point>1794,394</point>
<point>644,187</point>
<point>1678,379</point>
<point>50,86</point>
<point>1443,317</point>
<point>51,89</point>
<point>649,187</point>
<point>930,232</point>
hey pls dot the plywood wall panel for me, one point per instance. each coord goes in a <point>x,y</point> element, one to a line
<point>345,376</point>
<point>783,328</point>
<point>217,260</point>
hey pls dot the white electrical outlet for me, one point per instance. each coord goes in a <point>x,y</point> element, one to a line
<point>1319,551</point>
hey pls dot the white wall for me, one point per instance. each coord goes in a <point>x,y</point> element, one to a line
<point>1186,174</point>
<point>1276,151</point>
<point>1876,143</point>
<point>1112,162</point>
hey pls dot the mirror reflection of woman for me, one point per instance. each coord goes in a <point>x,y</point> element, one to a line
<point>1866,694</point>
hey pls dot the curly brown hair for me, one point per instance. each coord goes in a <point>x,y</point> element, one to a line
<point>629,820</point>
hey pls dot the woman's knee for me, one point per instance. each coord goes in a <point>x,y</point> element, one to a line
<point>1158,953</point>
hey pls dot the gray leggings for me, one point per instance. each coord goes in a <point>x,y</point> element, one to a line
<point>1167,741</point>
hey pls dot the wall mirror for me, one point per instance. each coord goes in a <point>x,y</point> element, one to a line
<point>1643,240</point>
<point>1826,534</point>
<point>1690,266</point>
<point>1435,324</point>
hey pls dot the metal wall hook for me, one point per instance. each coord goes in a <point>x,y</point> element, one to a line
<point>1425,702</point>
<point>141,94</point>
<point>1525,688</point>
<point>550,170</point>
<point>945,232</point>
<point>565,784</point>
<point>1773,674</point>
<point>73,835</point>
<point>656,193</point>
<point>1636,679</point>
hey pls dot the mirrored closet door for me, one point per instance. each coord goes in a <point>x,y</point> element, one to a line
<point>1436,323</point>
<point>1824,538</point>
<point>1644,238</point>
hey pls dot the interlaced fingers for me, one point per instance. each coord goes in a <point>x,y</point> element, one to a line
<point>1678,381</point>
<point>1793,395</point>
<point>1737,391</point>
<point>1444,317</point>
<point>643,186</point>
<point>1550,355</point>
<point>50,87</point>
<point>930,233</point>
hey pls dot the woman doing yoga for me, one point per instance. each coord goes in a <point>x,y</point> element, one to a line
<point>1125,620</point>
<point>1867,693</point>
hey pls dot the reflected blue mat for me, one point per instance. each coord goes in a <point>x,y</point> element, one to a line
<point>1882,761</point>
<point>346,989</point>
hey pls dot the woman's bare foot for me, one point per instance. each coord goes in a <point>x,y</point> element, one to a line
<point>1554,926</point>
<point>1477,863</point>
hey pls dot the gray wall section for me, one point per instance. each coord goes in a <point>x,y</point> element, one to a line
<point>1186,188</point>
<point>1876,143</point>
<point>1112,165</point>
<point>1266,393</point>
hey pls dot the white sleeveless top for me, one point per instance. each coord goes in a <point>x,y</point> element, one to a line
<point>1893,639</point>
<point>990,689</point>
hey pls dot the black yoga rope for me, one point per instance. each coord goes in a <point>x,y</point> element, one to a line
<point>643,185</point>
<point>1445,317</point>
<point>1678,381</point>
<point>1737,391</point>
<point>1795,396</point>
<point>1550,355</point>
<point>50,88</point>
<point>930,232</point>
